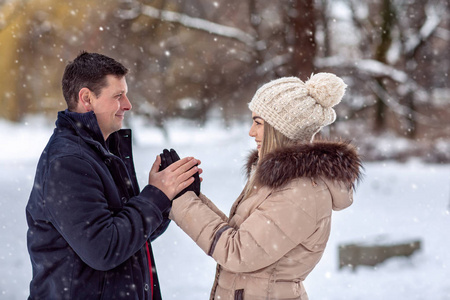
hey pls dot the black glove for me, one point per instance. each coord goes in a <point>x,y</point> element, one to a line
<point>168,158</point>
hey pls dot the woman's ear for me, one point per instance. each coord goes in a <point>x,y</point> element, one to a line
<point>84,98</point>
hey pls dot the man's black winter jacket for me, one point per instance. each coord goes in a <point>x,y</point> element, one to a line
<point>89,224</point>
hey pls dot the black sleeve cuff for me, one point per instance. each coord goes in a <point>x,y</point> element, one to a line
<point>157,197</point>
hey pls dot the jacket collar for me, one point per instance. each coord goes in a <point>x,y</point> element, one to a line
<point>87,128</point>
<point>85,124</point>
<point>336,161</point>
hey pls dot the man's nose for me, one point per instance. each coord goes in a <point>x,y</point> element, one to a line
<point>126,104</point>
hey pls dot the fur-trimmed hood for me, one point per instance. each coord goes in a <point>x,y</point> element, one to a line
<point>336,161</point>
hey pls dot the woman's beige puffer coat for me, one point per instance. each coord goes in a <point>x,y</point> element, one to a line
<point>273,239</point>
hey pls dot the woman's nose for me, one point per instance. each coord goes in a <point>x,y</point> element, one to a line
<point>252,132</point>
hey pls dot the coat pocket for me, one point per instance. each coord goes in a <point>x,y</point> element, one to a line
<point>239,295</point>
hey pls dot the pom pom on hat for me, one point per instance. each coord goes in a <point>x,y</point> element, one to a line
<point>326,88</point>
<point>299,109</point>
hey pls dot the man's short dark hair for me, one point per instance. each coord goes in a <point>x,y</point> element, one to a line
<point>88,70</point>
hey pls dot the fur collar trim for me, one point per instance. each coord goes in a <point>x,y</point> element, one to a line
<point>337,161</point>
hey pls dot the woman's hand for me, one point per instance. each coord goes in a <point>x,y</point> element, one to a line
<point>176,177</point>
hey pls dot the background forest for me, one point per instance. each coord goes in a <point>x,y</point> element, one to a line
<point>195,64</point>
<point>189,58</point>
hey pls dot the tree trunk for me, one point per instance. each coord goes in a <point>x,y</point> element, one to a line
<point>302,19</point>
<point>388,17</point>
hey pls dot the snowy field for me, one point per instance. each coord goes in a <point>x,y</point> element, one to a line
<point>394,203</point>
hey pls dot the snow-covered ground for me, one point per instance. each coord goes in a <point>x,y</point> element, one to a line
<point>395,202</point>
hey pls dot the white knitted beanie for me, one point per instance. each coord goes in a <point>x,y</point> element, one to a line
<point>299,109</point>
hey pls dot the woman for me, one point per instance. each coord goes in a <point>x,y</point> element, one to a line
<point>279,226</point>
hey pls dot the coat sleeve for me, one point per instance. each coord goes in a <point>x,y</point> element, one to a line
<point>213,207</point>
<point>75,203</point>
<point>280,223</point>
<point>163,227</point>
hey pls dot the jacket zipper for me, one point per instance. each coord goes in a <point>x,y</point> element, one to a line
<point>149,268</point>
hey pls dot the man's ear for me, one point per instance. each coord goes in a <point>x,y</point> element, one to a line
<point>84,98</point>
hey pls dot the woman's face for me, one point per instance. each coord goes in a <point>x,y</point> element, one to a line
<point>257,131</point>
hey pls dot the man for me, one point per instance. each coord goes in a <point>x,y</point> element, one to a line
<point>89,224</point>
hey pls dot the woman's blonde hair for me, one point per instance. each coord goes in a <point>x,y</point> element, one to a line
<point>272,140</point>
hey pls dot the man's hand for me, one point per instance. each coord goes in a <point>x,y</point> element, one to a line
<point>175,177</point>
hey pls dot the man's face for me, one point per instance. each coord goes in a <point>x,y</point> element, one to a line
<point>110,106</point>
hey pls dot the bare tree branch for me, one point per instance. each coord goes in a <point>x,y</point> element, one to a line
<point>428,28</point>
<point>369,66</point>
<point>272,64</point>
<point>400,109</point>
<point>190,22</point>
<point>376,69</point>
